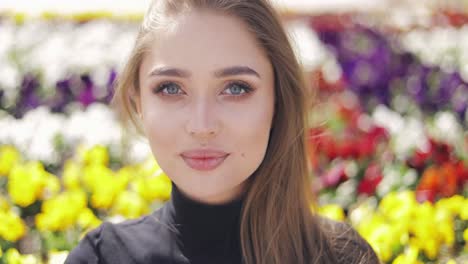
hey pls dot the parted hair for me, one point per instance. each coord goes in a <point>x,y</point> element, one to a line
<point>278,220</point>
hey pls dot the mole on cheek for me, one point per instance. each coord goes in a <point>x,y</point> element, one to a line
<point>243,154</point>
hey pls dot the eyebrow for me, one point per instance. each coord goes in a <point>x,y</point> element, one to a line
<point>229,71</point>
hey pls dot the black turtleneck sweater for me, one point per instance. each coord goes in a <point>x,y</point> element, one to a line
<point>185,231</point>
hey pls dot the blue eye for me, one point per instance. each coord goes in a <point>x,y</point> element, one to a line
<point>238,88</point>
<point>169,88</point>
<point>235,89</point>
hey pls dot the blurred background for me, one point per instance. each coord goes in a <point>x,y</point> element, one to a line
<point>388,140</point>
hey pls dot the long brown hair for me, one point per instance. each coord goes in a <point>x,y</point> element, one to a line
<point>278,223</point>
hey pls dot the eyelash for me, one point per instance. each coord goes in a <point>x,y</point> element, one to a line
<point>246,87</point>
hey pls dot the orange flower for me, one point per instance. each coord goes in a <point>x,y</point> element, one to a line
<point>429,185</point>
<point>448,181</point>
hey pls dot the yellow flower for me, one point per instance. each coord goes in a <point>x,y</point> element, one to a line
<point>148,167</point>
<point>97,155</point>
<point>4,205</point>
<point>429,246</point>
<point>452,204</point>
<point>374,228</point>
<point>361,213</point>
<point>26,183</point>
<point>380,236</point>
<point>12,256</point>
<point>130,205</point>
<point>398,206</point>
<point>103,184</point>
<point>157,186</point>
<point>401,221</point>
<point>332,211</point>
<point>9,157</point>
<point>465,235</point>
<point>447,232</point>
<point>12,227</point>
<point>409,257</point>
<point>124,176</point>
<point>464,210</point>
<point>51,186</point>
<point>87,219</point>
<point>19,17</point>
<point>71,175</point>
<point>61,211</point>
<point>423,223</point>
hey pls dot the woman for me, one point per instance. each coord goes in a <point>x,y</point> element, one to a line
<point>216,88</point>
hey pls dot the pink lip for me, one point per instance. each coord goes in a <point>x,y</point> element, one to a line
<point>204,159</point>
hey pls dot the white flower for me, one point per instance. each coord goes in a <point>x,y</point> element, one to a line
<point>98,124</point>
<point>58,49</point>
<point>51,57</point>
<point>7,37</point>
<point>406,134</point>
<point>307,47</point>
<point>45,126</point>
<point>34,134</point>
<point>443,46</point>
<point>10,79</point>
<point>390,120</point>
<point>57,257</point>
<point>139,150</point>
<point>446,128</point>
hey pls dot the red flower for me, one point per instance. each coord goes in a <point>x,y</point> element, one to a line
<point>419,159</point>
<point>366,147</point>
<point>347,149</point>
<point>442,152</point>
<point>461,170</point>
<point>425,195</point>
<point>334,176</point>
<point>438,152</point>
<point>378,133</point>
<point>372,177</point>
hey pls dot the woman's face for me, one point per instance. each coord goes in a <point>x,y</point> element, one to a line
<point>206,102</point>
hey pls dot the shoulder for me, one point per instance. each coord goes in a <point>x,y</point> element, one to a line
<point>141,240</point>
<point>348,246</point>
<point>105,242</point>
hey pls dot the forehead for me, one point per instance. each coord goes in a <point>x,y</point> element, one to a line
<point>203,39</point>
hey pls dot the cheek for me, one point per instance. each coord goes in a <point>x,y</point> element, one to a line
<point>161,128</point>
<point>253,130</point>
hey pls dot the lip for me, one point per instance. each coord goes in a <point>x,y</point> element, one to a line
<point>204,159</point>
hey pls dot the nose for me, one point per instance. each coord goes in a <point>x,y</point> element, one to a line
<point>203,122</point>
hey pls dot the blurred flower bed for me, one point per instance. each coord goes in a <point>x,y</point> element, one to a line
<point>389,150</point>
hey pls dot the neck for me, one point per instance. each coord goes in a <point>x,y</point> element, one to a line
<point>205,226</point>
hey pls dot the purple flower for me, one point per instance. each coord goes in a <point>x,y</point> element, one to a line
<point>2,94</point>
<point>28,98</point>
<point>63,96</point>
<point>460,101</point>
<point>448,85</point>
<point>86,95</point>
<point>329,37</point>
<point>402,63</point>
<point>373,65</point>
<point>366,59</point>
